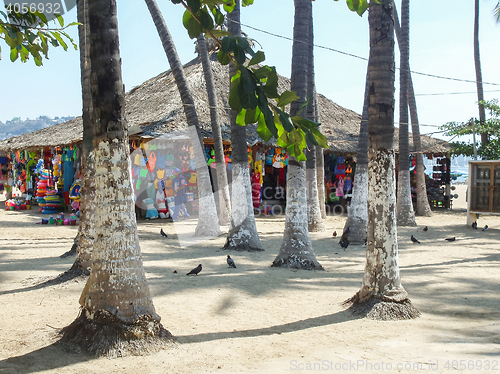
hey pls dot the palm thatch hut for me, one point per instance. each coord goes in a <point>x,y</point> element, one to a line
<point>154,109</point>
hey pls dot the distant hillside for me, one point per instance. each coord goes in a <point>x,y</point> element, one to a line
<point>16,126</point>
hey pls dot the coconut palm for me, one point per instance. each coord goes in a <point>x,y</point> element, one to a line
<point>117,314</point>
<point>357,214</point>
<point>479,75</point>
<point>86,229</point>
<point>208,223</point>
<point>242,235</point>
<point>314,202</point>
<point>223,192</point>
<point>405,213</point>
<point>296,249</point>
<point>382,295</point>
<point>423,207</point>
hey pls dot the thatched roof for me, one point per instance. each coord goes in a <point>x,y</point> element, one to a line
<point>154,108</point>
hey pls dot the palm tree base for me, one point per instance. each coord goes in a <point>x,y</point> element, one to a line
<point>242,238</point>
<point>100,333</point>
<point>381,307</point>
<point>296,262</point>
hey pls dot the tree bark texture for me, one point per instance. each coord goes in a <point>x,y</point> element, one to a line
<point>223,192</point>
<point>423,207</point>
<point>242,235</point>
<point>357,213</point>
<point>405,215</point>
<point>479,75</point>
<point>86,230</point>
<point>208,222</point>
<point>296,249</point>
<point>382,296</point>
<point>116,303</point>
<point>314,216</point>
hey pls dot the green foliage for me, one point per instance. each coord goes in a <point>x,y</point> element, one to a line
<point>254,88</point>
<point>359,6</point>
<point>491,127</point>
<point>27,35</point>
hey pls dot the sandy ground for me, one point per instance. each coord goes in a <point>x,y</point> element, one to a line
<point>257,319</point>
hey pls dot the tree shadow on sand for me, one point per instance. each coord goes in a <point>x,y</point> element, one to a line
<point>303,324</point>
<point>54,357</point>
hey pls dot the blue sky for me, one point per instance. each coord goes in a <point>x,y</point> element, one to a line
<point>441,43</point>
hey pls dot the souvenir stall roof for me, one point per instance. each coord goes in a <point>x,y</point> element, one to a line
<point>154,109</point>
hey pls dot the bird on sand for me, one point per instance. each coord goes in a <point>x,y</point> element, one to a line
<point>334,234</point>
<point>414,240</point>
<point>474,225</point>
<point>425,229</point>
<point>163,233</point>
<point>230,262</point>
<point>485,228</point>
<point>195,271</point>
<point>344,243</point>
<point>450,239</point>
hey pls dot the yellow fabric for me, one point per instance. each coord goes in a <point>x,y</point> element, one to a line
<point>258,169</point>
<point>137,160</point>
<point>160,174</point>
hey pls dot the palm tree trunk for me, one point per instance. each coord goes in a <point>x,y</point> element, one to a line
<point>208,223</point>
<point>296,249</point>
<point>242,235</point>
<point>223,192</point>
<point>357,213</point>
<point>405,213</point>
<point>117,314</point>
<point>423,207</point>
<point>86,230</point>
<point>381,296</point>
<point>314,216</point>
<point>479,76</point>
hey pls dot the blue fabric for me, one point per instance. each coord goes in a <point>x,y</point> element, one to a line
<point>68,171</point>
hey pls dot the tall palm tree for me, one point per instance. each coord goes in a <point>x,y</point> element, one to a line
<point>314,216</point>
<point>405,213</point>
<point>496,12</point>
<point>479,75</point>
<point>242,235</point>
<point>382,295</point>
<point>223,192</point>
<point>117,312</point>
<point>208,223</point>
<point>423,207</point>
<point>86,230</point>
<point>296,249</point>
<point>357,214</point>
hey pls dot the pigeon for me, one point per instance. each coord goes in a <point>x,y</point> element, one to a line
<point>195,271</point>
<point>230,262</point>
<point>344,243</point>
<point>474,225</point>
<point>425,229</point>
<point>485,228</point>
<point>334,234</point>
<point>414,240</point>
<point>163,233</point>
<point>450,239</point>
<point>175,271</point>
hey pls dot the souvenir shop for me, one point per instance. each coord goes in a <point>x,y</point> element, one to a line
<point>339,177</point>
<point>47,177</point>
<point>153,166</point>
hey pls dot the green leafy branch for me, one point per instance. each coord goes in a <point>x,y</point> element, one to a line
<point>254,88</point>
<point>491,127</point>
<point>27,35</point>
